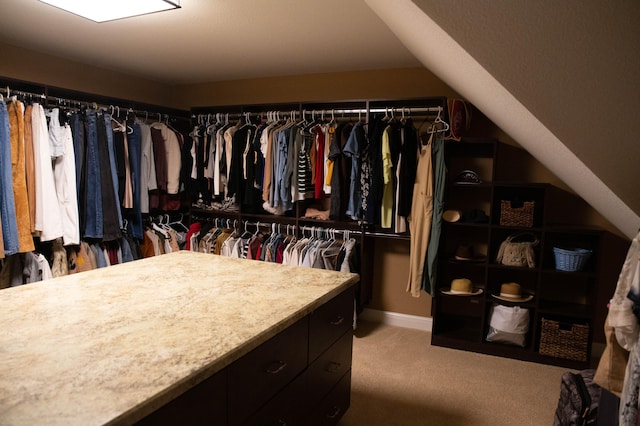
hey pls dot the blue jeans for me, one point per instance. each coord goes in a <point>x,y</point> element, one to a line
<point>113,164</point>
<point>110,205</point>
<point>7,202</point>
<point>93,227</point>
<point>135,161</point>
<point>77,128</point>
<point>101,261</point>
<point>125,248</point>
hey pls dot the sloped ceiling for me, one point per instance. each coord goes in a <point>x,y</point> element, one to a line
<point>560,77</point>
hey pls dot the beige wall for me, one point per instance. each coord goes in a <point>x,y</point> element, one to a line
<point>356,85</point>
<point>28,65</point>
<point>391,257</point>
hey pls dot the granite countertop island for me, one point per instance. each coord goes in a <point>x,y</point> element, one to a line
<point>111,345</point>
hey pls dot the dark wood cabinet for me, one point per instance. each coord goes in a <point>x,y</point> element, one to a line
<point>259,375</point>
<point>302,375</point>
<point>205,403</point>
<point>565,297</point>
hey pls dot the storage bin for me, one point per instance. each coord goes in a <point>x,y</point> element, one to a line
<point>516,216</point>
<point>564,340</point>
<point>571,259</point>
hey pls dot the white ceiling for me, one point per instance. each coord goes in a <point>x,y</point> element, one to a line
<point>214,40</point>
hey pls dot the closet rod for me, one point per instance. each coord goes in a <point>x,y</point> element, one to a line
<point>388,235</point>
<point>322,112</point>
<point>336,230</point>
<point>74,103</point>
<point>9,92</point>
<point>268,224</point>
<point>113,108</point>
<point>415,110</point>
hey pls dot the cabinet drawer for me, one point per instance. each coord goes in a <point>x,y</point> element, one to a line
<point>205,403</point>
<point>325,371</point>
<point>334,405</point>
<point>294,403</point>
<point>289,407</point>
<point>329,322</point>
<point>261,373</point>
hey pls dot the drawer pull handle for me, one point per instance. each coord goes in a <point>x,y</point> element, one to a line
<point>332,367</point>
<point>337,321</point>
<point>276,367</point>
<point>334,414</point>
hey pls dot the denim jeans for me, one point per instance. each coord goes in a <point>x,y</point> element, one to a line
<point>113,165</point>
<point>127,254</point>
<point>101,261</point>
<point>93,227</point>
<point>77,127</point>
<point>7,202</point>
<point>135,159</point>
<point>110,205</point>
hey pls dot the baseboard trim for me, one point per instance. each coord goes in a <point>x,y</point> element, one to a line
<point>397,319</point>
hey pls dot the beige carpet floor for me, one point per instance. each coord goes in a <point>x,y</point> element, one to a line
<point>398,378</point>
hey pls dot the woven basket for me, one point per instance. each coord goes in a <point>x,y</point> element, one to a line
<point>560,340</point>
<point>516,216</point>
<point>571,260</point>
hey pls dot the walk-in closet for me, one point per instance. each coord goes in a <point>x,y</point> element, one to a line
<point>346,213</point>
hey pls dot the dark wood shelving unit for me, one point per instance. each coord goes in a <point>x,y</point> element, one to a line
<point>462,322</point>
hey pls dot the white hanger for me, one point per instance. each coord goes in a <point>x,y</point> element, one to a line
<point>439,120</point>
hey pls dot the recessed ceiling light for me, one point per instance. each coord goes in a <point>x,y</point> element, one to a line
<point>108,10</point>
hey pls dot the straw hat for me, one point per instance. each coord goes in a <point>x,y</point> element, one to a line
<point>451,215</point>
<point>510,292</point>
<point>462,287</point>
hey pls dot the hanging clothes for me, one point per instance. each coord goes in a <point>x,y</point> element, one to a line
<point>64,171</point>
<point>134,164</point>
<point>79,147</point>
<point>110,205</point>
<point>320,139</point>
<point>48,216</point>
<point>7,202</point>
<point>341,170</point>
<point>148,181</point>
<point>624,308</point>
<point>374,172</point>
<point>391,147</point>
<point>113,165</point>
<point>621,316</point>
<point>408,167</point>
<point>15,110</point>
<point>239,138</point>
<point>439,176</point>
<point>1,240</point>
<point>353,150</point>
<point>92,224</point>
<point>420,219</point>
<point>306,186</point>
<point>30,168</point>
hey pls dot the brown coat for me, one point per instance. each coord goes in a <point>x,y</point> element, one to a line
<point>23,217</point>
